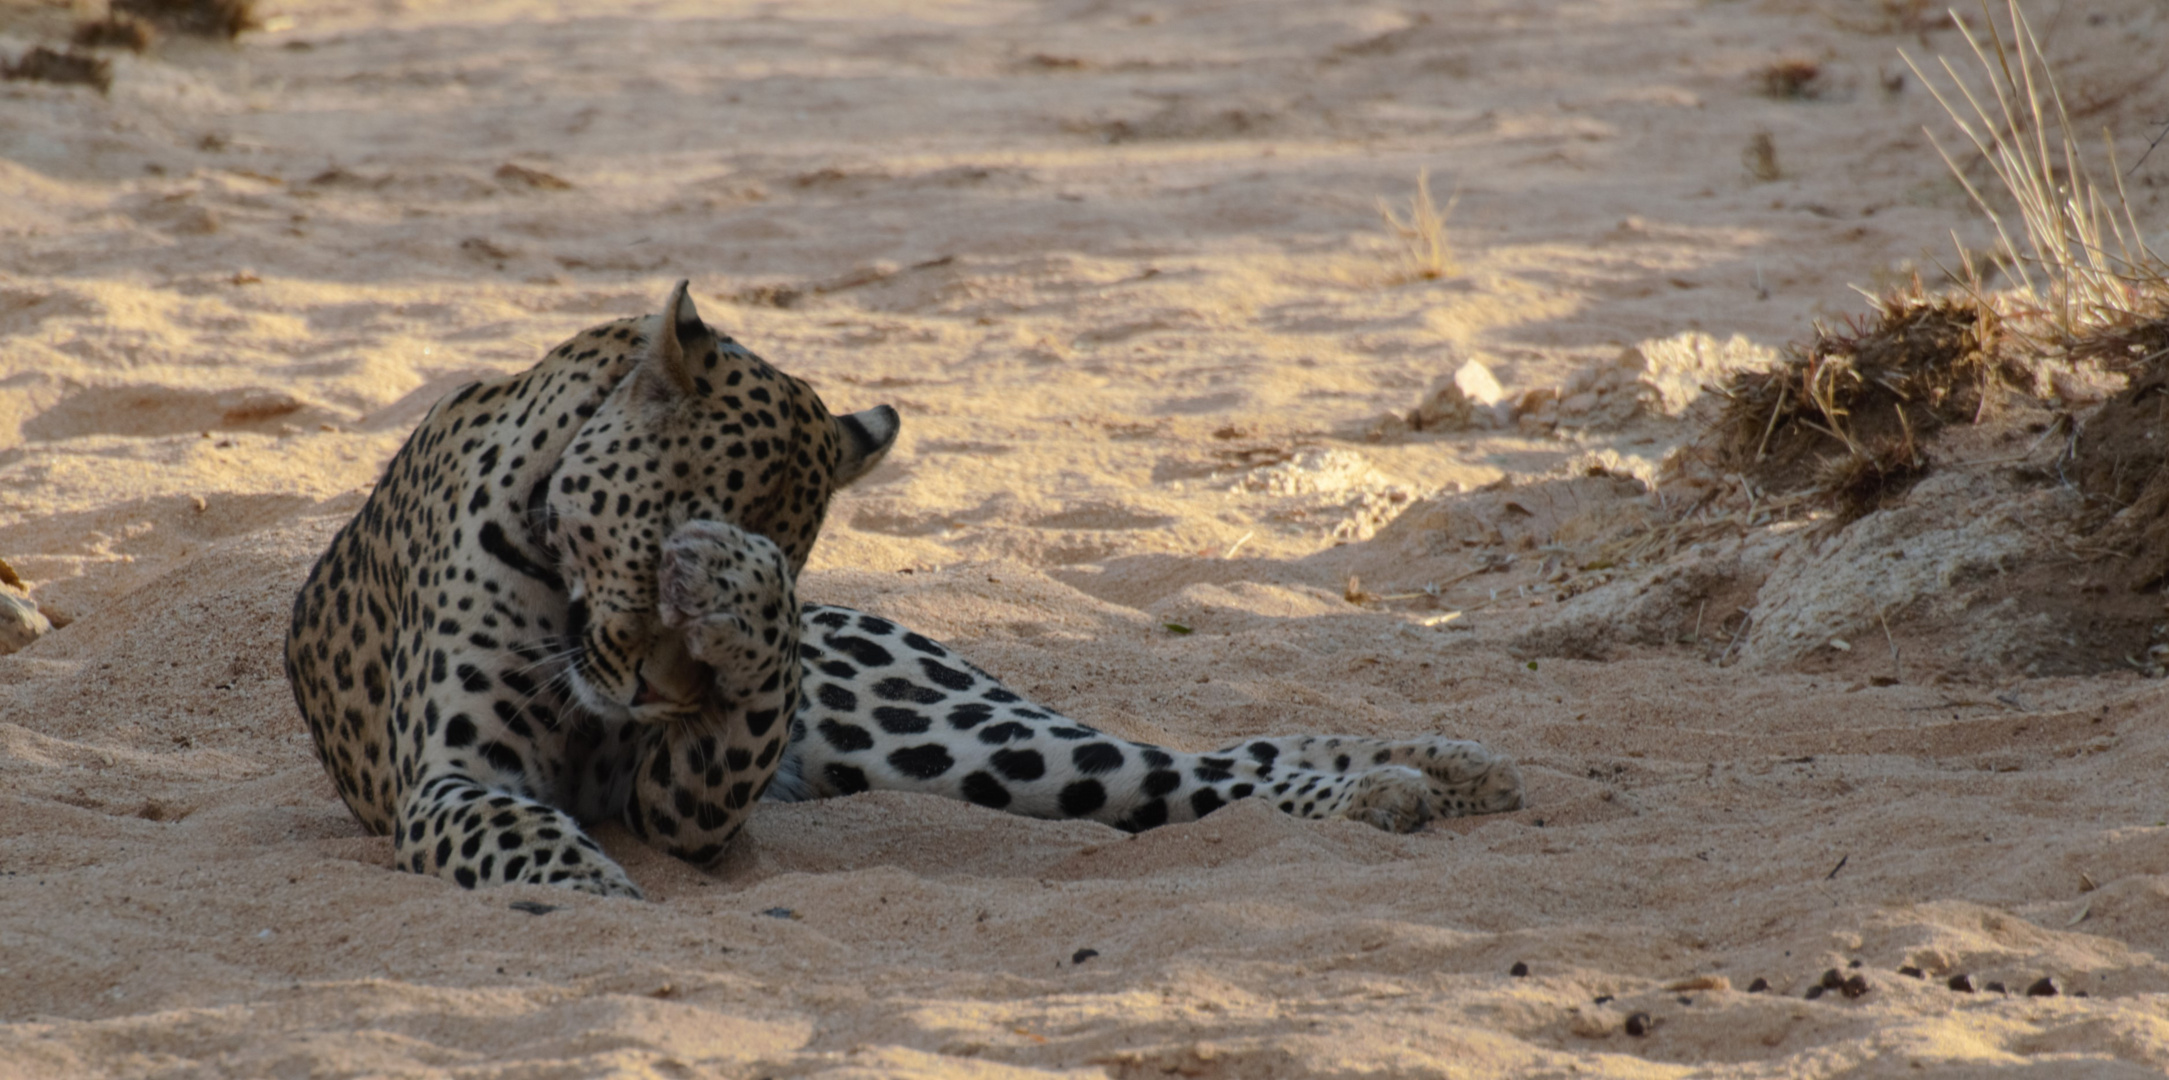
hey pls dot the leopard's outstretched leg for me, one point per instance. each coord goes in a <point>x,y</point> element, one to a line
<point>727,594</point>
<point>886,708</point>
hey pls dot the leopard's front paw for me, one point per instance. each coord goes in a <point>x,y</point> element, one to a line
<point>1394,798</point>
<point>729,593</point>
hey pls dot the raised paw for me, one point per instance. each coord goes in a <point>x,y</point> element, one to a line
<point>728,592</point>
<point>1393,798</point>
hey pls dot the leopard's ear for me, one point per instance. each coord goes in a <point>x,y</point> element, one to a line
<point>678,332</point>
<point>867,437</point>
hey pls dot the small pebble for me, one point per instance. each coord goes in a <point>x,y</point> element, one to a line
<point>780,913</point>
<point>1640,1024</point>
<point>1814,992</point>
<point>1961,983</point>
<point>1911,972</point>
<point>1832,980</point>
<point>2045,986</point>
<point>1855,986</point>
<point>1854,964</point>
<point>1603,999</point>
<point>1758,986</point>
<point>1519,970</point>
<point>1997,988</point>
<point>1684,1000</point>
<point>532,907</point>
<point>1082,955</point>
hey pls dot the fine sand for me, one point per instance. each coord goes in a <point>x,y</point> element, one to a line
<point>1120,265</point>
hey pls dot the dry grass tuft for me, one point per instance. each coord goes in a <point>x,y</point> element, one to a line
<point>114,32</point>
<point>44,65</point>
<point>2085,264</point>
<point>1424,248</point>
<point>1845,415</point>
<point>202,18</point>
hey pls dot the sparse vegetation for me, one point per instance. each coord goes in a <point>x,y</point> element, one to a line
<point>202,18</point>
<point>1760,157</point>
<point>1845,416</point>
<point>45,65</point>
<point>1796,79</point>
<point>113,32</point>
<point>2084,263</point>
<point>1426,254</point>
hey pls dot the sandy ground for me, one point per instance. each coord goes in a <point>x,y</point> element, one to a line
<point>1120,266</point>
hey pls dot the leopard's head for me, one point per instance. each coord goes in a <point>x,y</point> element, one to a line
<point>699,429</point>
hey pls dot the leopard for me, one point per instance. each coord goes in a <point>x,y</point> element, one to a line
<point>571,598</point>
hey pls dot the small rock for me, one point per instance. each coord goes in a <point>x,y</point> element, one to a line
<point>1832,980</point>
<point>1604,999</point>
<point>1082,955</point>
<point>1911,972</point>
<point>532,907</point>
<point>1961,983</point>
<point>1814,992</point>
<point>1855,986</point>
<point>1519,970</point>
<point>781,913</point>
<point>2045,986</point>
<point>1640,1024</point>
<point>1997,988</point>
<point>1758,986</point>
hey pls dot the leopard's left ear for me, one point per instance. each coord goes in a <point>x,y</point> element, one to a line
<point>678,331</point>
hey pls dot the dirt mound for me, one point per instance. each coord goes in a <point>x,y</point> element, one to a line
<point>2121,462</point>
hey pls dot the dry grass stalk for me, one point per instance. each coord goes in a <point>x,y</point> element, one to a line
<point>2094,267</point>
<point>1423,233</point>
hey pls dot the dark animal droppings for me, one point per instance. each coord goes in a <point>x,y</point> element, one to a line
<point>1082,955</point>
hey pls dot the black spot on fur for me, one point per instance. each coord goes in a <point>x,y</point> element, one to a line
<point>846,737</point>
<point>1019,765</point>
<point>894,689</point>
<point>899,721</point>
<point>1092,759</point>
<point>923,762</point>
<point>1083,797</point>
<point>985,790</point>
<point>944,675</point>
<point>1204,801</point>
<point>845,779</point>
